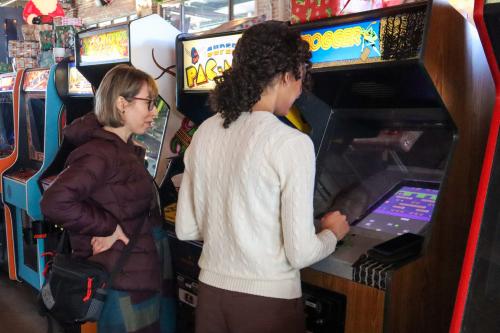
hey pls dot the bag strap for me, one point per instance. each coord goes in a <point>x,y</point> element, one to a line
<point>63,245</point>
<point>133,240</point>
<point>126,252</point>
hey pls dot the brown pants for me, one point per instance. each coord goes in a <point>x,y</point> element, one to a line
<point>223,311</point>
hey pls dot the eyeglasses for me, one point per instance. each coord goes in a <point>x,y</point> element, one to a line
<point>151,102</point>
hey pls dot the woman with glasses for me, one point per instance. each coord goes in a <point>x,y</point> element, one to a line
<point>105,191</point>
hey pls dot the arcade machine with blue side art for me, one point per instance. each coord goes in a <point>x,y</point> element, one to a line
<point>40,114</point>
<point>147,43</point>
<point>478,296</point>
<point>78,99</point>
<point>398,129</point>
<point>9,91</point>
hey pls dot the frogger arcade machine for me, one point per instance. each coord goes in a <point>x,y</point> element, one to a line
<point>398,150</point>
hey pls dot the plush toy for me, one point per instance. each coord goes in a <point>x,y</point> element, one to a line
<point>42,11</point>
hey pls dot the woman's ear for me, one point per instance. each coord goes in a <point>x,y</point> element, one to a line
<point>286,77</point>
<point>121,103</point>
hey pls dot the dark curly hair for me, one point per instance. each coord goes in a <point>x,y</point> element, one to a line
<point>263,52</point>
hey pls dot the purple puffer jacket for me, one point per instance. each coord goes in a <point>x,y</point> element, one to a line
<point>105,183</point>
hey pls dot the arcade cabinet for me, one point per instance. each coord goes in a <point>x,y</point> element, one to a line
<point>146,43</point>
<point>39,117</point>
<point>199,60</point>
<point>9,91</point>
<point>398,127</point>
<point>478,297</point>
<point>75,91</point>
<point>78,99</point>
<point>397,154</point>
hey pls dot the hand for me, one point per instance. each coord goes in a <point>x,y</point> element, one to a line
<point>101,244</point>
<point>335,222</point>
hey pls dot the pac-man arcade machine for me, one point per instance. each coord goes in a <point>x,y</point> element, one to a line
<point>199,60</point>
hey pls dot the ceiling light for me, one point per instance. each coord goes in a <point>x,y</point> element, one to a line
<point>7,3</point>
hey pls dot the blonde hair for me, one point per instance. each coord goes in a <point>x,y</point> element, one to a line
<point>125,81</point>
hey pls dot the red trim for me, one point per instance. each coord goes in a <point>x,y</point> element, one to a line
<point>470,252</point>
<point>48,253</point>
<point>40,236</point>
<point>45,270</point>
<point>89,289</point>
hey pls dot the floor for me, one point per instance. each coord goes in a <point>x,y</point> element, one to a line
<point>18,308</point>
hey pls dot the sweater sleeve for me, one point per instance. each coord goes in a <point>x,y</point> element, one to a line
<point>186,225</point>
<point>296,169</point>
<point>67,201</point>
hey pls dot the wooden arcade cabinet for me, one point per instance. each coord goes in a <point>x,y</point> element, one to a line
<point>409,116</point>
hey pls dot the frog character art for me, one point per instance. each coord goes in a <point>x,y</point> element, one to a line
<point>370,37</point>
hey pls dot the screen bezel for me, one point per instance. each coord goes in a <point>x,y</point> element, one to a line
<point>93,32</point>
<point>34,154</point>
<point>4,95</point>
<point>43,76</point>
<point>74,92</point>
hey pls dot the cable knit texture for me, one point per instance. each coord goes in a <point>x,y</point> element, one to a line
<point>247,192</point>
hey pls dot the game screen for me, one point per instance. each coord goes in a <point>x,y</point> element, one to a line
<point>152,140</point>
<point>77,83</point>
<point>105,47</point>
<point>36,126</point>
<point>407,209</point>
<point>6,125</point>
<point>205,59</point>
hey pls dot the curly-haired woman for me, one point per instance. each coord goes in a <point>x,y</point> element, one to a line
<point>247,192</point>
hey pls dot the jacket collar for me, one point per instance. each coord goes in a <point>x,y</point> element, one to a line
<point>101,133</point>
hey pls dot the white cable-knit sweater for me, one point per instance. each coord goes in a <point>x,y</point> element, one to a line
<point>247,192</point>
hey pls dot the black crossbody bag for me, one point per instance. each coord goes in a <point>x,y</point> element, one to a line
<point>75,289</point>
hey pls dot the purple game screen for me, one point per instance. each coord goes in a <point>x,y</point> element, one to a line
<point>407,210</point>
